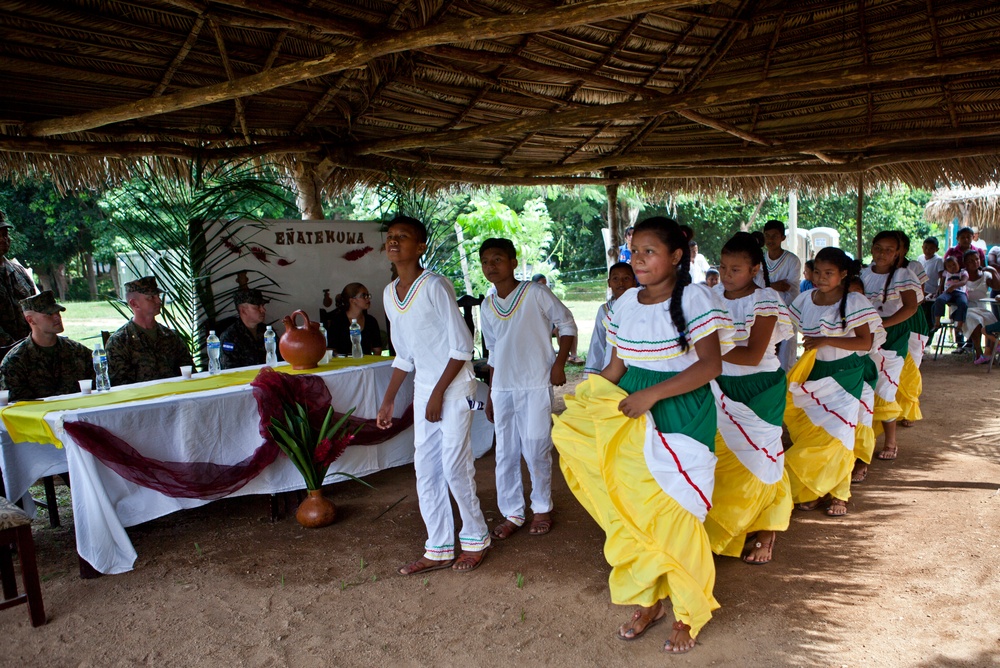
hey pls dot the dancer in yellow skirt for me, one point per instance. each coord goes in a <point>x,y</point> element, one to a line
<point>911,382</point>
<point>864,435</point>
<point>635,443</point>
<point>893,290</point>
<point>752,495</point>
<point>825,386</point>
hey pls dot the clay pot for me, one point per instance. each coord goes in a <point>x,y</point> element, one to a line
<point>316,510</point>
<point>302,347</point>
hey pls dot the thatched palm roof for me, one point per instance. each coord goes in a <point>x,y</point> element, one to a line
<point>979,207</point>
<point>738,95</point>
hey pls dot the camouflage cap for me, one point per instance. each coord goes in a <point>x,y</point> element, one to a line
<point>145,285</point>
<point>43,302</point>
<point>255,297</point>
<point>4,223</point>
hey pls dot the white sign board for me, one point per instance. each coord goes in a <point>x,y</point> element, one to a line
<point>294,261</point>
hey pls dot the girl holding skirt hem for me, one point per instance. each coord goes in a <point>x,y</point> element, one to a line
<point>892,291</point>
<point>864,435</point>
<point>752,497</point>
<point>824,388</point>
<point>635,442</point>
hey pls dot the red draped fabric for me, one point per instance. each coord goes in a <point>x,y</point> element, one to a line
<point>206,480</point>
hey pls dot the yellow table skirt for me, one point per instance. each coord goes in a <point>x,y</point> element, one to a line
<point>25,420</point>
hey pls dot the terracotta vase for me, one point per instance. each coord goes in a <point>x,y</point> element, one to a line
<point>302,347</point>
<point>316,510</point>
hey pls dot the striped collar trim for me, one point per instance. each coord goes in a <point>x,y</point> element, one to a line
<point>518,297</point>
<point>404,304</point>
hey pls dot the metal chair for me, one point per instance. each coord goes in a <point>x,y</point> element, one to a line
<point>941,331</point>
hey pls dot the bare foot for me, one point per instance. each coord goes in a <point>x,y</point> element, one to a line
<point>504,530</point>
<point>541,524</point>
<point>860,473</point>
<point>760,548</point>
<point>469,561</point>
<point>680,641</point>
<point>642,619</point>
<point>838,508</point>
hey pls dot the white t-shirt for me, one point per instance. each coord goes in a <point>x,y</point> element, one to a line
<point>761,303</point>
<point>644,334</point>
<point>517,330</point>
<point>814,320</point>
<point>427,331</point>
<point>699,265</point>
<point>600,352</point>
<point>933,267</point>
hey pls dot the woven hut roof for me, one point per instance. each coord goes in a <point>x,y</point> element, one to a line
<point>979,207</point>
<point>735,95</point>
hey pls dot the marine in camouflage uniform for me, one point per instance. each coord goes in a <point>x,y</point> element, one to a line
<point>243,341</point>
<point>32,370</point>
<point>137,354</point>
<point>15,285</point>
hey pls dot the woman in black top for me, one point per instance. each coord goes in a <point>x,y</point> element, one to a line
<point>353,303</point>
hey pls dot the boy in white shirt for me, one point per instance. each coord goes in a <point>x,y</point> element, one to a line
<point>933,265</point>
<point>517,323</point>
<point>431,338</point>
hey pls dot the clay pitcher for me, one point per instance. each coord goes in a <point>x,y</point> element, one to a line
<point>316,510</point>
<point>302,347</point>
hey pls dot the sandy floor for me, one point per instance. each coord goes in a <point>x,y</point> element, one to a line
<point>909,578</point>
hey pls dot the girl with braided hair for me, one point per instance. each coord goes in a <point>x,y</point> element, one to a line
<point>823,408</point>
<point>911,383</point>
<point>636,442</point>
<point>752,497</point>
<point>893,291</point>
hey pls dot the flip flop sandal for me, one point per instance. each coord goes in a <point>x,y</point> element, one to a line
<point>757,545</point>
<point>636,616</point>
<point>434,566</point>
<point>859,478</point>
<point>504,530</point>
<point>834,506</point>
<point>467,558</point>
<point>809,505</point>
<point>668,646</point>
<point>540,527</point>
<point>887,454</point>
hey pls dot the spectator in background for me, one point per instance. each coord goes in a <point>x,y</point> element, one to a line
<point>15,285</point>
<point>933,266</point>
<point>965,243</point>
<point>625,250</point>
<point>540,278</point>
<point>712,278</point>
<point>993,260</point>
<point>807,277</point>
<point>976,241</point>
<point>699,264</point>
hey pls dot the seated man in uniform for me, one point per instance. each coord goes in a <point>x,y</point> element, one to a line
<point>142,349</point>
<point>44,364</point>
<point>243,341</point>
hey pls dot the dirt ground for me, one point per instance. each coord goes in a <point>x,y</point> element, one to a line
<point>908,578</point>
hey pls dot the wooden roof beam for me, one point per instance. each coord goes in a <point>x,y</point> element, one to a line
<point>840,78</point>
<point>339,60</point>
<point>141,149</point>
<point>181,55</point>
<point>241,117</point>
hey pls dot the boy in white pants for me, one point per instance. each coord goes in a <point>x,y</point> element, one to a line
<point>431,338</point>
<point>517,324</point>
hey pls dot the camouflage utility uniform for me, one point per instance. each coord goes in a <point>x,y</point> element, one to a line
<point>15,285</point>
<point>136,355</point>
<point>242,346</point>
<point>30,371</point>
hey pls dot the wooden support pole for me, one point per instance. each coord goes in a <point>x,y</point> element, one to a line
<point>308,178</point>
<point>615,233</point>
<point>859,218</point>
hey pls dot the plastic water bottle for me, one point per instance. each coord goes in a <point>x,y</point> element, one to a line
<point>214,349</point>
<point>101,368</point>
<point>356,351</point>
<point>270,347</point>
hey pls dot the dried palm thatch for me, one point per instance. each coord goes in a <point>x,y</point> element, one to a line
<point>742,96</point>
<point>978,207</point>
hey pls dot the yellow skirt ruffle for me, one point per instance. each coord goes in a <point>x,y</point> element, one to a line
<point>817,464</point>
<point>742,504</point>
<point>656,548</point>
<point>911,385</point>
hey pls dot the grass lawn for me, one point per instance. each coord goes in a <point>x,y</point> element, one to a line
<point>584,313</point>
<point>84,321</point>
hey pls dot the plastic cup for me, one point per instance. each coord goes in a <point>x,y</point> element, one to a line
<point>86,386</point>
<point>4,397</point>
<point>327,356</point>
<point>186,371</point>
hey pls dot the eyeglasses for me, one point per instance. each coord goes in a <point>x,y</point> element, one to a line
<point>363,295</point>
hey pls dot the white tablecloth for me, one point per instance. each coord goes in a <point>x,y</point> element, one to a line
<point>220,426</point>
